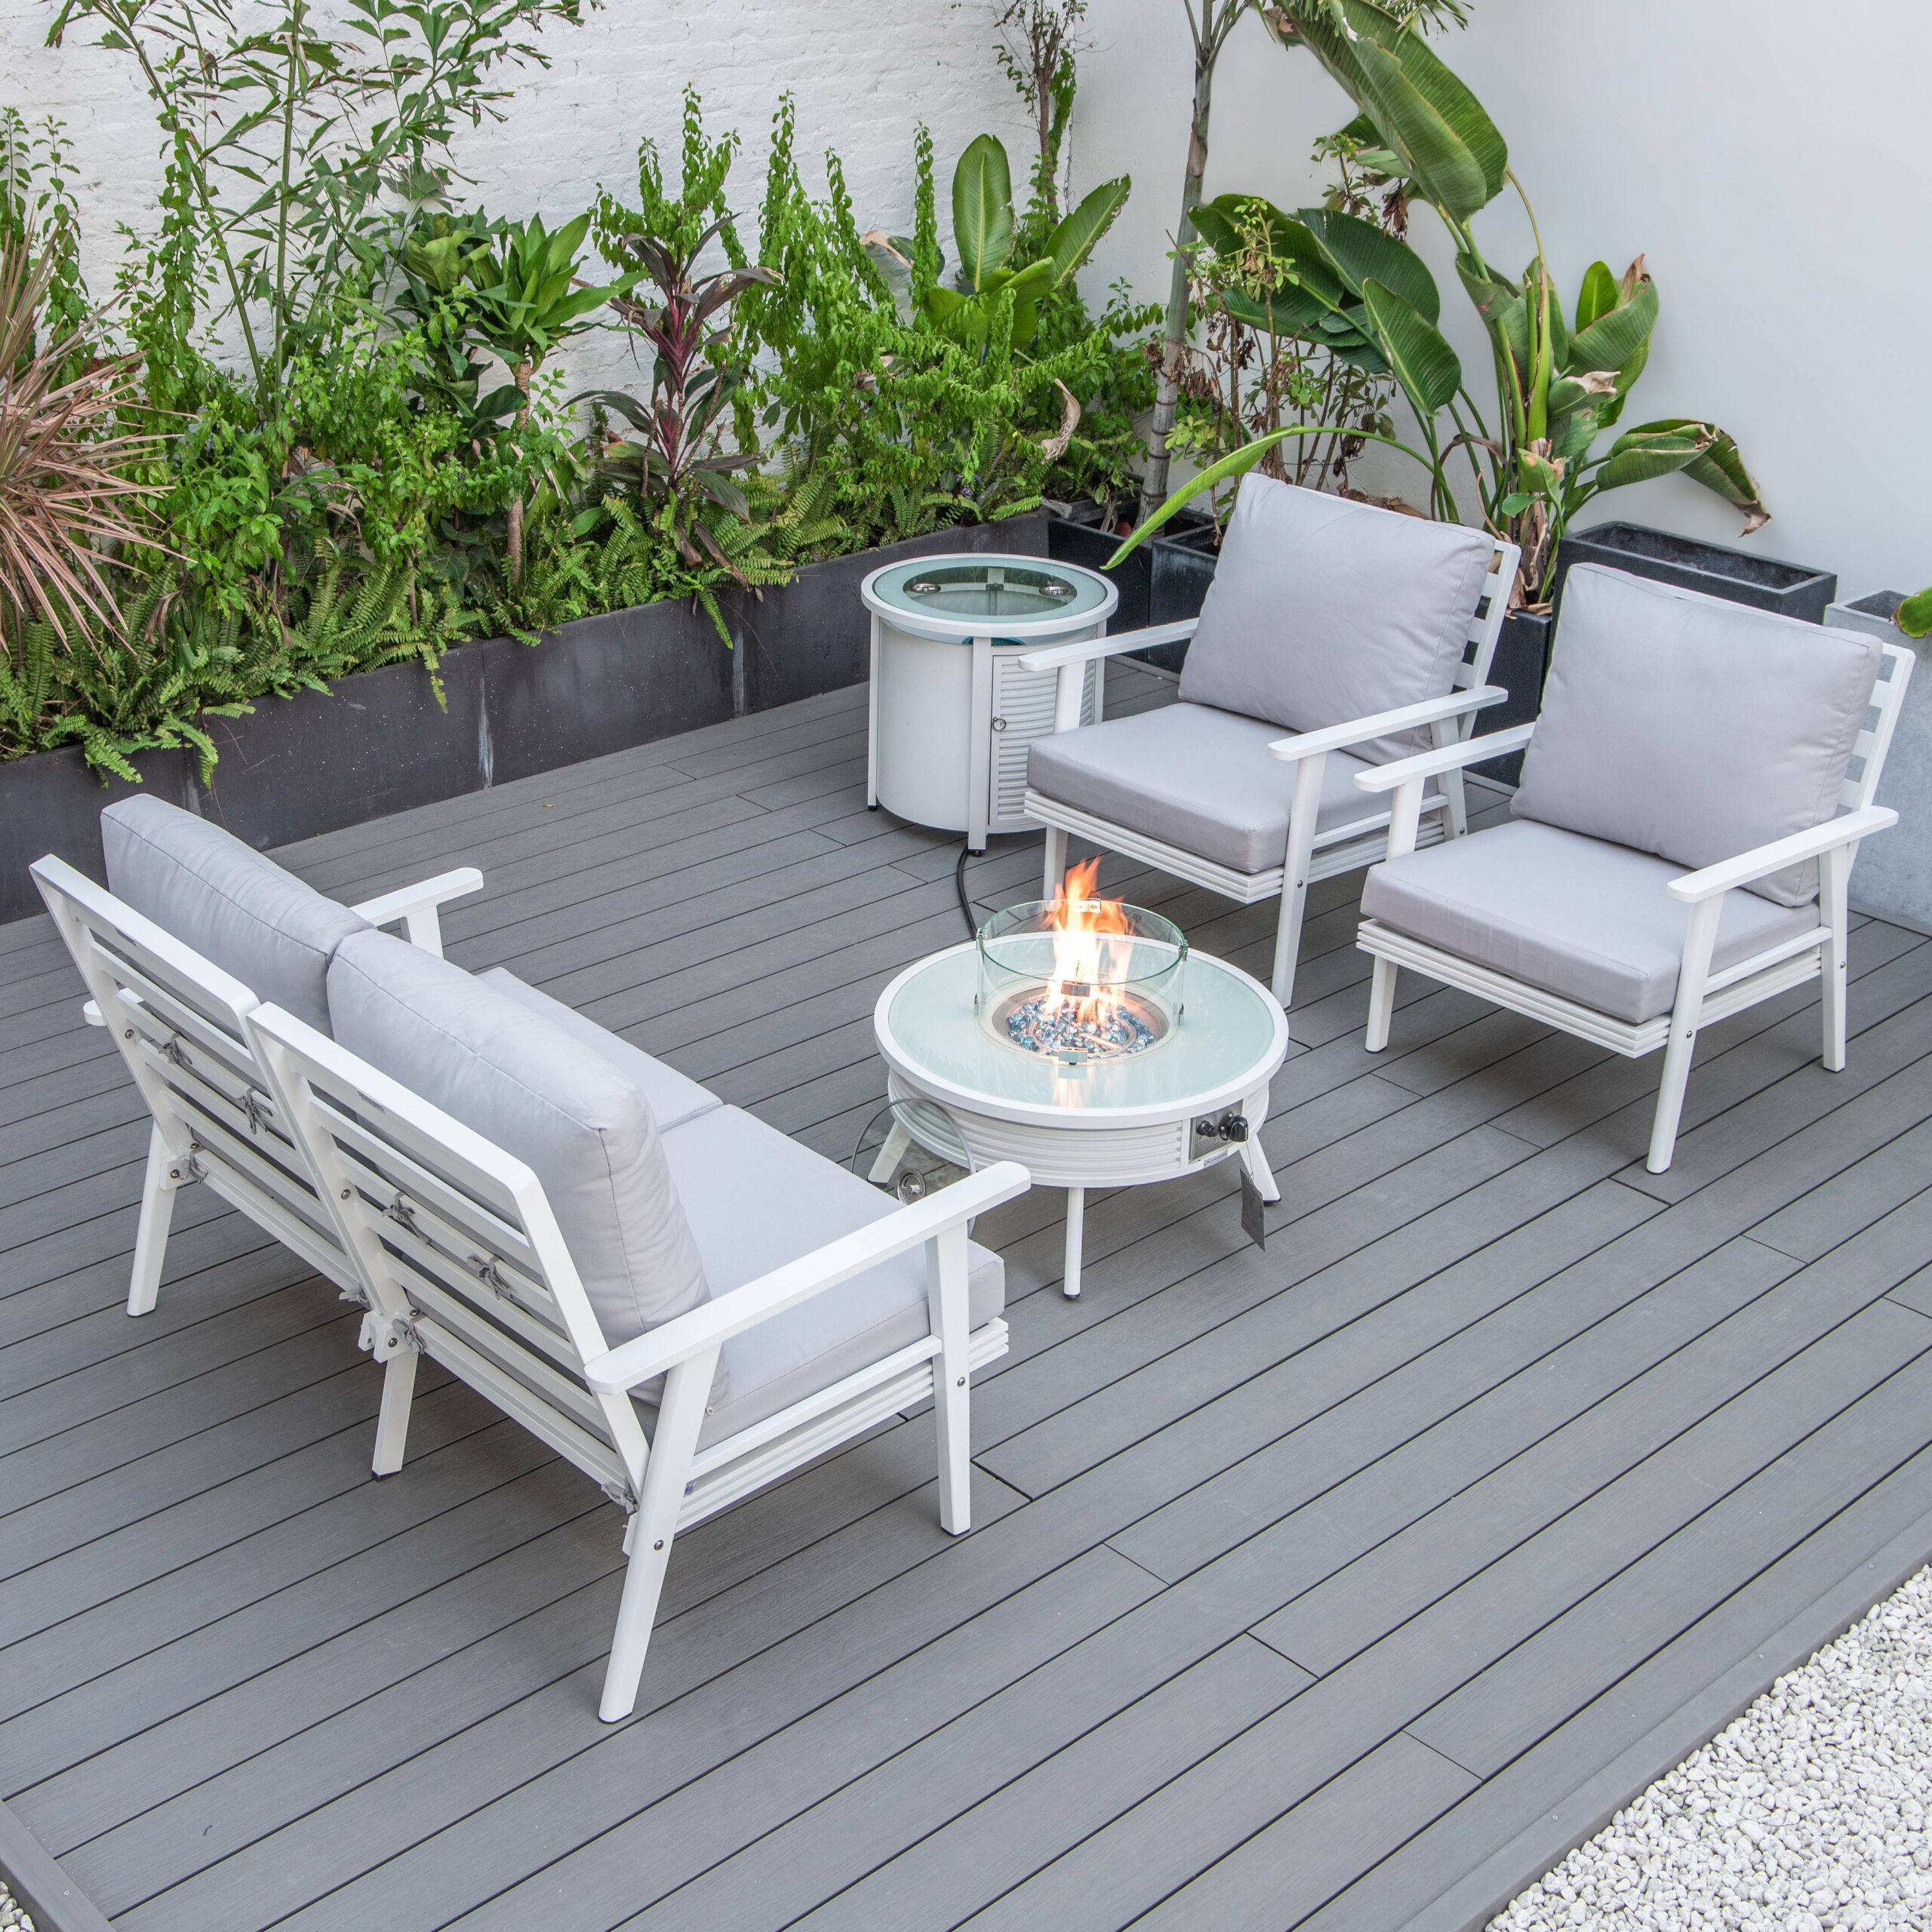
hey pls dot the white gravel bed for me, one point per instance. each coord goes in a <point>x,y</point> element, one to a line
<point>1809,1813</point>
<point>13,1916</point>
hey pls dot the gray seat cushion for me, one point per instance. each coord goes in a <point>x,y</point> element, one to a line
<point>1576,916</point>
<point>568,1109</point>
<point>673,1097</point>
<point>1322,610</point>
<point>241,910</point>
<point>1196,778</point>
<point>757,1199</point>
<point>1692,727</point>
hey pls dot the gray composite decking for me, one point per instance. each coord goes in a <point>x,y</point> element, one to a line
<point>1338,1585</point>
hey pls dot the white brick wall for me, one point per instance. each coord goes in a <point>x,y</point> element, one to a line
<point>861,76</point>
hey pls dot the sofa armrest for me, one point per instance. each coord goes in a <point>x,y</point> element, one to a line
<point>1383,724</point>
<point>708,1326</point>
<point>1053,656</point>
<point>1762,860</point>
<point>417,907</point>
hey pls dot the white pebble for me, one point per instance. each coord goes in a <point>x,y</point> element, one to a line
<point>1807,1814</point>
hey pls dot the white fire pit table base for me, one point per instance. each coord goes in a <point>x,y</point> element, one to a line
<point>1195,1098</point>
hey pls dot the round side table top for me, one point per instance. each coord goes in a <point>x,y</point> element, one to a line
<point>1232,1038</point>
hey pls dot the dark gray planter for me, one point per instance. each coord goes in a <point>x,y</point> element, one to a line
<point>1073,540</point>
<point>52,803</point>
<point>1183,558</point>
<point>380,742</point>
<point>1893,875</point>
<point>599,685</point>
<point>1521,664</point>
<point>1744,577</point>
<point>374,743</point>
<point>812,635</point>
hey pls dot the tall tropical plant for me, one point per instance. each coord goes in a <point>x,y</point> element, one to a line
<point>1210,23</point>
<point>1562,378</point>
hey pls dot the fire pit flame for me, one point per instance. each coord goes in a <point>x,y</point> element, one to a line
<point>1078,978</point>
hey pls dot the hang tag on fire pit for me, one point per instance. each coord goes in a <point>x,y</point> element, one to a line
<point>1253,1216</point>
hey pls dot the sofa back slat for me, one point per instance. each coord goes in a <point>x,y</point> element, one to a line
<point>372,1163</point>
<point>178,1022</point>
<point>461,1244</point>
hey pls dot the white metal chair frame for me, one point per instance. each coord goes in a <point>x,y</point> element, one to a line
<point>1703,996</point>
<point>461,1259</point>
<point>178,1020</point>
<point>1310,856</point>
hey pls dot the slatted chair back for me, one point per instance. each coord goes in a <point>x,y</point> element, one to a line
<point>457,1247</point>
<point>1486,625</point>
<point>1867,755</point>
<point>179,1023</point>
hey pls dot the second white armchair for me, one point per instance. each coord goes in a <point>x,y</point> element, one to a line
<point>1365,633</point>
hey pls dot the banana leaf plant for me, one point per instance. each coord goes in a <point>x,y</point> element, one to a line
<point>1349,287</point>
<point>1561,381</point>
<point>985,230</point>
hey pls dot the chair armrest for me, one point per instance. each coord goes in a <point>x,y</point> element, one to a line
<point>1712,880</point>
<point>1432,711</point>
<point>1051,658</point>
<point>416,906</point>
<point>713,1323</point>
<point>1447,758</point>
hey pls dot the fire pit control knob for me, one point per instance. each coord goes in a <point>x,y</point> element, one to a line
<point>1229,1127</point>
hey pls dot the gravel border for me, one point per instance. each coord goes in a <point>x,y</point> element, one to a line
<point>13,1916</point>
<point>1809,1813</point>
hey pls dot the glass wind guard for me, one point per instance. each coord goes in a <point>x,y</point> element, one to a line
<point>1225,1029</point>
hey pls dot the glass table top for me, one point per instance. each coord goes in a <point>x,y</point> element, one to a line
<point>1020,589</point>
<point>1227,1032</point>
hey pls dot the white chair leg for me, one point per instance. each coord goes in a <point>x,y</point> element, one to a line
<point>945,1301</point>
<point>1381,1005</point>
<point>1054,873</point>
<point>392,1419</point>
<point>1684,1016</point>
<point>158,1192</point>
<point>680,1416</point>
<point>1303,812</point>
<point>1834,881</point>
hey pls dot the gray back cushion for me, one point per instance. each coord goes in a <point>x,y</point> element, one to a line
<point>578,1120</point>
<point>228,902</point>
<point>1692,727</point>
<point>1322,610</point>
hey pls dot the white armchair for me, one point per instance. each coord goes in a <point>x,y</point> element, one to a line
<point>1678,732</point>
<point>1365,633</point>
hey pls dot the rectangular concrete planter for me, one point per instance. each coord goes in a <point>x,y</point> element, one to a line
<point>380,742</point>
<point>1520,664</point>
<point>1077,539</point>
<point>1744,577</point>
<point>1184,557</point>
<point>1893,876</point>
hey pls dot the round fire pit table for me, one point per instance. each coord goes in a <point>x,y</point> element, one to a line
<point>1201,1096</point>
<point>952,713</point>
